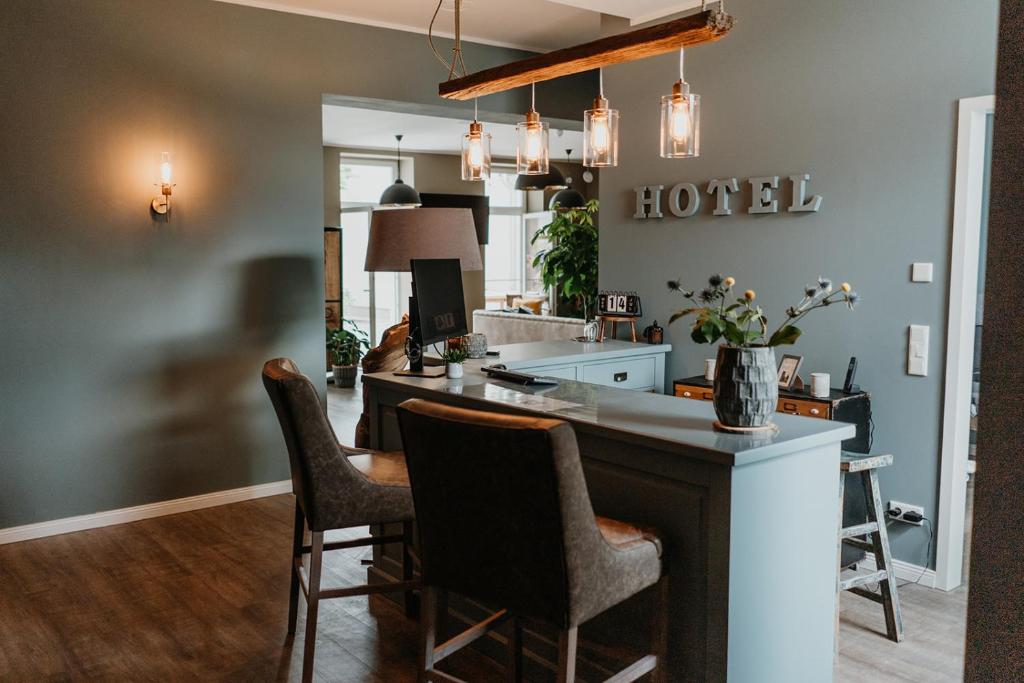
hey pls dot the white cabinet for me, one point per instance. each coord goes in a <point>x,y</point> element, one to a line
<point>617,364</point>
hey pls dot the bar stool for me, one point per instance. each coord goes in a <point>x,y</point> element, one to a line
<point>504,518</point>
<point>878,542</point>
<point>335,488</point>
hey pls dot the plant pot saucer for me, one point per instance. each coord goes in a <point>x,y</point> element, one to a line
<point>770,427</point>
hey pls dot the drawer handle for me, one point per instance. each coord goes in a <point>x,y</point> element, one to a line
<point>789,407</point>
<point>815,411</point>
<point>708,396</point>
<point>687,394</point>
<point>620,376</point>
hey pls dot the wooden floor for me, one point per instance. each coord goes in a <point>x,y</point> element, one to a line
<point>203,596</point>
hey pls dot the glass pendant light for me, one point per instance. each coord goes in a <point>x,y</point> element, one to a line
<point>476,151</point>
<point>532,141</point>
<point>399,195</point>
<point>680,120</point>
<point>601,131</point>
<point>567,198</point>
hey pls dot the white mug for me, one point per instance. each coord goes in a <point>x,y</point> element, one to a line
<point>820,384</point>
<point>709,369</point>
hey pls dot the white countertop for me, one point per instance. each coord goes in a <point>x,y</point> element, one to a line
<point>534,354</point>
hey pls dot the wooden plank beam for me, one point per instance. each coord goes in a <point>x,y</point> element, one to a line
<point>696,29</point>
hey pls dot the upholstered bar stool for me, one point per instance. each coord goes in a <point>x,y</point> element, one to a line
<point>335,488</point>
<point>504,518</point>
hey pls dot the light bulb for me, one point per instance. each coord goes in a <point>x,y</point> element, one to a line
<point>165,169</point>
<point>679,121</point>
<point>533,143</point>
<point>476,152</point>
<point>600,136</point>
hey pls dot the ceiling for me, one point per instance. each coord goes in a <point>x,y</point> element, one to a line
<point>373,129</point>
<point>536,25</point>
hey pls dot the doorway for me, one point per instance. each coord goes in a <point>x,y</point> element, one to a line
<point>966,293</point>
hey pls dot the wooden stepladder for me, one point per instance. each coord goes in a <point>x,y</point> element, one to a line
<point>866,466</point>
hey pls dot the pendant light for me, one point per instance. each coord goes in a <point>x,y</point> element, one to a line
<point>476,151</point>
<point>532,141</point>
<point>567,198</point>
<point>399,195</point>
<point>601,131</point>
<point>680,120</point>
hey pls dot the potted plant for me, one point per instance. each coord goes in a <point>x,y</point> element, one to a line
<point>453,358</point>
<point>569,264</point>
<point>746,389</point>
<point>346,348</point>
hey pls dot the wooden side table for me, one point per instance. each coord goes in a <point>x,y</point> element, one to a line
<point>615,320</point>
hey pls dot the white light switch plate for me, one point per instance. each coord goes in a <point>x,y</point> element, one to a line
<point>921,272</point>
<point>917,351</point>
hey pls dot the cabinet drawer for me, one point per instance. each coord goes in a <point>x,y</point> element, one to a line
<point>637,373</point>
<point>563,372</point>
<point>795,406</point>
<point>697,393</point>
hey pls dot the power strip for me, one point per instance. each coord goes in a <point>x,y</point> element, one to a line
<point>905,512</point>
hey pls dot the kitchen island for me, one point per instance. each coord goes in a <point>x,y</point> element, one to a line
<point>749,522</point>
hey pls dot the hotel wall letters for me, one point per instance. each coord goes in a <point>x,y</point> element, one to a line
<point>683,199</point>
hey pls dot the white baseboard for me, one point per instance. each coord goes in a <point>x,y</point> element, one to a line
<point>905,571</point>
<point>134,514</point>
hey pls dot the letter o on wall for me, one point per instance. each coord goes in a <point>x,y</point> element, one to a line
<point>692,200</point>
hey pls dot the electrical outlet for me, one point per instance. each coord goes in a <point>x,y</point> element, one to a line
<point>898,511</point>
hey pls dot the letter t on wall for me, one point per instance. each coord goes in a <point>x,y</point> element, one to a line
<point>648,201</point>
<point>721,189</point>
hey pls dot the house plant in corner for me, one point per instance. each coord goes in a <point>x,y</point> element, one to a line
<point>746,389</point>
<point>569,265</point>
<point>346,347</point>
<point>453,358</point>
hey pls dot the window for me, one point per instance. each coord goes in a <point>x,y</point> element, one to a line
<point>508,256</point>
<point>373,301</point>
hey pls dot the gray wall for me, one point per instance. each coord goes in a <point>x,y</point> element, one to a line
<point>131,349</point>
<point>861,95</point>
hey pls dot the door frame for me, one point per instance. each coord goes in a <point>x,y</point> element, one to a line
<point>963,299</point>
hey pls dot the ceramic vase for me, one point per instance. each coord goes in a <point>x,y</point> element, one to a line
<point>746,389</point>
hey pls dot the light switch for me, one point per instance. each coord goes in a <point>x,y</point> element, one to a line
<point>921,272</point>
<point>917,351</point>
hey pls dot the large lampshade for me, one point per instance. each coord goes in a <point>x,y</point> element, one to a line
<point>396,237</point>
<point>552,180</point>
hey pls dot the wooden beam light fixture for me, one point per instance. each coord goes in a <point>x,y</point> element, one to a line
<point>703,27</point>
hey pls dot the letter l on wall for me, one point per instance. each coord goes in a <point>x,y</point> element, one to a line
<point>800,203</point>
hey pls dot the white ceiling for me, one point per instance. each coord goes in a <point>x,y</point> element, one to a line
<point>637,11</point>
<point>375,130</point>
<point>535,25</point>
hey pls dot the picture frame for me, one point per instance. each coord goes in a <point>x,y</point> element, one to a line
<point>789,369</point>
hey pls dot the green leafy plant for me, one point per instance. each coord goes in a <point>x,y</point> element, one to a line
<point>570,264</point>
<point>347,346</point>
<point>744,323</point>
<point>455,355</point>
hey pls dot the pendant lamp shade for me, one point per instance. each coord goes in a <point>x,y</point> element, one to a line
<point>567,198</point>
<point>601,131</point>
<point>399,195</point>
<point>532,142</point>
<point>552,180</point>
<point>680,120</point>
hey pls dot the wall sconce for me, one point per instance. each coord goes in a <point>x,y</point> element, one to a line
<point>162,204</point>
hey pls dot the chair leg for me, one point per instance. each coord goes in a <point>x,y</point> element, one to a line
<point>659,631</point>
<point>293,595</point>
<point>839,561</point>
<point>566,656</point>
<point>409,598</point>
<point>428,635</point>
<point>515,651</point>
<point>316,558</point>
<point>883,559</point>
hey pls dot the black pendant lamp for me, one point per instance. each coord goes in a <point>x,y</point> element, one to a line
<point>567,198</point>
<point>400,195</point>
<point>552,180</point>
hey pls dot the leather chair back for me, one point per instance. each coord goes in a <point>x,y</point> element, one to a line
<point>501,505</point>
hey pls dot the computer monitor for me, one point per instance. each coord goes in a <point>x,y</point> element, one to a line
<point>437,309</point>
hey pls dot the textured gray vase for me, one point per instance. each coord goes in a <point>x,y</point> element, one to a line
<point>746,386</point>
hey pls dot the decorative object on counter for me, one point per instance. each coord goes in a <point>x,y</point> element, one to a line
<point>746,385</point>
<point>590,332</point>
<point>821,384</point>
<point>453,358</point>
<point>851,372</point>
<point>621,304</point>
<point>654,334</point>
<point>399,195</point>
<point>475,345</point>
<point>346,347</point>
<point>569,265</point>
<point>615,320</point>
<point>789,372</point>
<point>567,198</point>
<point>709,369</point>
